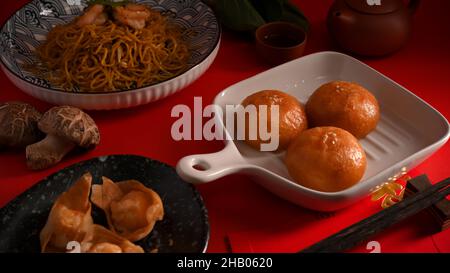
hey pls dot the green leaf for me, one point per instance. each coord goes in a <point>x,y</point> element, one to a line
<point>247,15</point>
<point>294,9</point>
<point>238,15</point>
<point>293,15</point>
<point>270,10</point>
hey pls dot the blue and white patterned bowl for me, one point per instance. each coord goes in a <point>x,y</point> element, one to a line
<point>28,27</point>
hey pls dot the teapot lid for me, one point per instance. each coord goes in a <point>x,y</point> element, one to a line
<point>375,6</point>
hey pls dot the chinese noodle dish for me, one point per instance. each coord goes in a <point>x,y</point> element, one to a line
<point>112,47</point>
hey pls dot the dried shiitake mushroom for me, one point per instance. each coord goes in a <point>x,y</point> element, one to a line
<point>66,128</point>
<point>18,124</point>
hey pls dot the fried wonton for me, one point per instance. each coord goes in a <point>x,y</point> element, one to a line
<point>70,217</point>
<point>102,240</point>
<point>131,208</point>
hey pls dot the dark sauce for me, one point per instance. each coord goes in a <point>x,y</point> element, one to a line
<point>280,40</point>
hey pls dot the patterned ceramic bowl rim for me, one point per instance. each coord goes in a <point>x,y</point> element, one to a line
<point>212,47</point>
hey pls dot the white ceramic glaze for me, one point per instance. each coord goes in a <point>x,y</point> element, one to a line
<point>409,131</point>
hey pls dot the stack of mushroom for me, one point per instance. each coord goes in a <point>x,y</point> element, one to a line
<point>66,127</point>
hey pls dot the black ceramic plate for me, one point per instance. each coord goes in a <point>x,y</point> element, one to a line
<point>184,228</point>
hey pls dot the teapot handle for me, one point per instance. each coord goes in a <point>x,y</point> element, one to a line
<point>413,5</point>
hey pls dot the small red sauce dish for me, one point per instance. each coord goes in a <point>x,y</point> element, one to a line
<point>280,42</point>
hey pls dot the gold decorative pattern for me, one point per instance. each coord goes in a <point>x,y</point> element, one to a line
<point>391,192</point>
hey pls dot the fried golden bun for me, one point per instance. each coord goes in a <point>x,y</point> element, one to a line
<point>345,105</point>
<point>327,159</point>
<point>292,117</point>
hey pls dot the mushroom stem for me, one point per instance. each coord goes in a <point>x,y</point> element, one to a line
<point>47,152</point>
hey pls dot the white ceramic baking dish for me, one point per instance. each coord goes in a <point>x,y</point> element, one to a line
<point>409,131</point>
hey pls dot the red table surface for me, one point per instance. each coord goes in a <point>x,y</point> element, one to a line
<point>243,216</point>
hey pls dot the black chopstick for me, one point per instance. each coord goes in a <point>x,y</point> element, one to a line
<point>357,233</point>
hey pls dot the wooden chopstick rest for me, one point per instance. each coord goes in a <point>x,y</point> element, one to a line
<point>440,211</point>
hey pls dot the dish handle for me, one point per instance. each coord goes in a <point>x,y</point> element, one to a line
<point>204,168</point>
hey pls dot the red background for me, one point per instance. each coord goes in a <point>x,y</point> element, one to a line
<point>243,216</point>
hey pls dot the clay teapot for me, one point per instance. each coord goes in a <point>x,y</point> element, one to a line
<point>371,27</point>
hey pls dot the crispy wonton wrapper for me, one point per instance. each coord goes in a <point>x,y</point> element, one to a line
<point>131,208</point>
<point>70,217</point>
<point>102,240</point>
